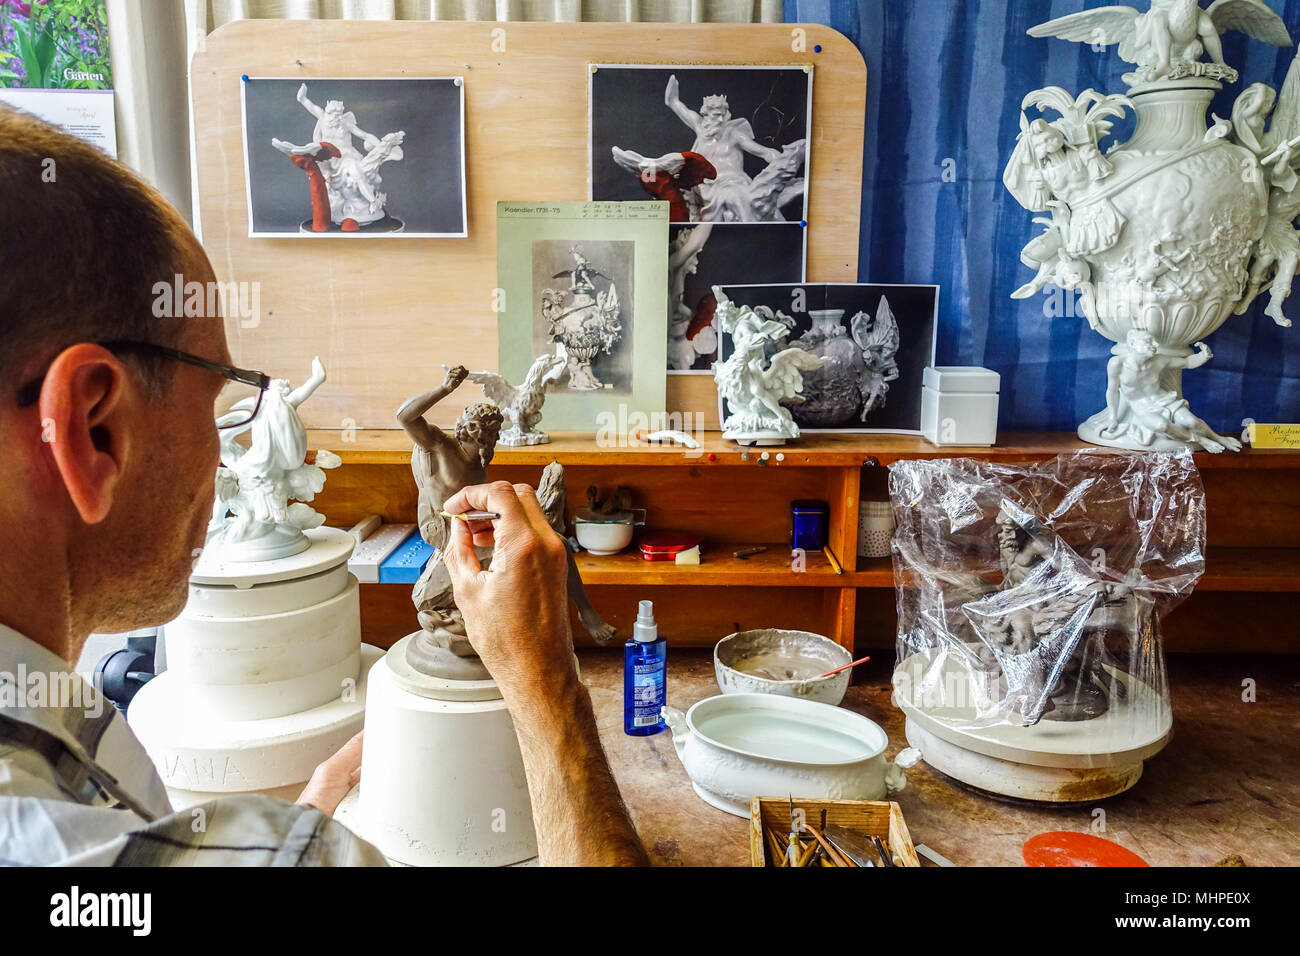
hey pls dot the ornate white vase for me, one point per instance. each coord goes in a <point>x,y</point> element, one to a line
<point>1165,236</point>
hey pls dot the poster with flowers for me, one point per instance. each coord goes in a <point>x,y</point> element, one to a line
<point>54,64</point>
<point>54,44</point>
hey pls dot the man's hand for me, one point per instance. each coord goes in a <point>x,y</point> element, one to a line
<point>1203,349</point>
<point>334,778</point>
<point>671,90</point>
<point>516,612</point>
<point>517,618</point>
<point>454,377</point>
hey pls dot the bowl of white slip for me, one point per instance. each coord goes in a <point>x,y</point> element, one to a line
<point>739,746</point>
<point>786,663</point>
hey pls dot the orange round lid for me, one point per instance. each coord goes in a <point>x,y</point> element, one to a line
<point>1067,848</point>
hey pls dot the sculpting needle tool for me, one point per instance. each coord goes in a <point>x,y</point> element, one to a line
<point>860,660</point>
<point>794,847</point>
<point>472,515</point>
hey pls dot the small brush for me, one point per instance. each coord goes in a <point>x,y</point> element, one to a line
<point>860,660</point>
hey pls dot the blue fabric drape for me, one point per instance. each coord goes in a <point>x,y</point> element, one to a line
<point>944,80</point>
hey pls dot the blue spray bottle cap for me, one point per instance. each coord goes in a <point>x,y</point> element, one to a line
<point>645,630</point>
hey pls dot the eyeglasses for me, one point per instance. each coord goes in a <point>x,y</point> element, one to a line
<point>236,418</point>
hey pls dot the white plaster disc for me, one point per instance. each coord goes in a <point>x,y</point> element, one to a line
<point>1020,780</point>
<point>437,688</point>
<point>1130,731</point>
<point>329,547</point>
<point>194,753</point>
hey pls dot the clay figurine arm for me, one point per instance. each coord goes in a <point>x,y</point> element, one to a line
<point>674,103</point>
<point>517,619</point>
<point>1196,360</point>
<point>307,104</point>
<point>303,391</point>
<point>745,140</point>
<point>411,415</point>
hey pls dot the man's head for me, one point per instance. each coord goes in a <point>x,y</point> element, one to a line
<point>714,113</point>
<point>477,430</point>
<point>106,475</point>
<point>1142,343</point>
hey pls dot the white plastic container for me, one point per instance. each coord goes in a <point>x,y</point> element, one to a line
<point>959,405</point>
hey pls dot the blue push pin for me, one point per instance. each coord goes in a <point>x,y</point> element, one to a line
<point>243,77</point>
<point>817,48</point>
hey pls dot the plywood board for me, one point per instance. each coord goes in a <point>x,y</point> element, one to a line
<point>384,315</point>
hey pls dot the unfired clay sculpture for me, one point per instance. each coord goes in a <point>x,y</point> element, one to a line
<point>587,324</point>
<point>344,182</point>
<point>442,465</point>
<point>1178,228</point>
<point>728,195</point>
<point>752,385</point>
<point>252,519</point>
<point>522,405</point>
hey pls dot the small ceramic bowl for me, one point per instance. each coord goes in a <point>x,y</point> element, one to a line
<point>785,663</point>
<point>606,534</point>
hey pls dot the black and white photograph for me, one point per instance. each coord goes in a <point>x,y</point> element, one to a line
<point>876,340</point>
<point>709,254</point>
<point>718,143</point>
<point>355,157</point>
<point>583,304</point>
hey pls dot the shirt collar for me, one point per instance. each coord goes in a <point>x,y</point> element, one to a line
<point>40,688</point>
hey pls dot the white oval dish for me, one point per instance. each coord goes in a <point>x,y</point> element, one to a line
<point>739,746</point>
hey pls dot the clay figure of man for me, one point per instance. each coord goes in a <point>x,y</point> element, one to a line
<point>442,465</point>
<point>1134,393</point>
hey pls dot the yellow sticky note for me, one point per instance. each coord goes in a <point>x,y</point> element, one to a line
<point>1275,436</point>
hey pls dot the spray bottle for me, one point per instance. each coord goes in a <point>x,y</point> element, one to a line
<point>645,675</point>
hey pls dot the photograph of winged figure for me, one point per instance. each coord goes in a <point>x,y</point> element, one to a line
<point>869,344</point>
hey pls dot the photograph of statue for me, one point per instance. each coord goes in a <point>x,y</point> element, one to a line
<point>708,254</point>
<point>587,284</point>
<point>355,157</point>
<point>583,301</point>
<point>875,340</point>
<point>719,144</point>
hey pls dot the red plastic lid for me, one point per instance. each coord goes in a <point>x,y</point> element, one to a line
<point>667,542</point>
<point>1067,848</point>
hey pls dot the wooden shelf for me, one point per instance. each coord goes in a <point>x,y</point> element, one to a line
<point>392,446</point>
<point>1252,513</point>
<point>717,568</point>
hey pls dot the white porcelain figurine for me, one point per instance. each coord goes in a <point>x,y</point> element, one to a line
<point>252,518</point>
<point>521,405</point>
<point>754,385</point>
<point>1170,233</point>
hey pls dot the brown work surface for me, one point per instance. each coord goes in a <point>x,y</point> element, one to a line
<point>1229,781</point>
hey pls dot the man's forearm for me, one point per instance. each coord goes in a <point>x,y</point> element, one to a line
<point>579,815</point>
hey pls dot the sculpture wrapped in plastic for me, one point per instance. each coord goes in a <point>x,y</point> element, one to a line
<point>1030,596</point>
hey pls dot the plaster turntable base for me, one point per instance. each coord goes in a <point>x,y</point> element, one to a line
<point>444,781</point>
<point>197,757</point>
<point>265,672</point>
<point>1052,761</point>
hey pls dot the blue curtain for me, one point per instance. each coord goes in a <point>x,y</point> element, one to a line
<point>944,80</point>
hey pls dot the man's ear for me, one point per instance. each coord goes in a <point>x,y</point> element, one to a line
<point>83,421</point>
